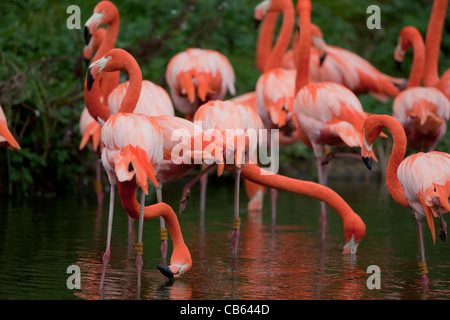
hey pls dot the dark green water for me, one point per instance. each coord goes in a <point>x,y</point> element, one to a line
<point>41,238</point>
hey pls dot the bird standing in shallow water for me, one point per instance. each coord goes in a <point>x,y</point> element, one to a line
<point>138,147</point>
<point>420,181</point>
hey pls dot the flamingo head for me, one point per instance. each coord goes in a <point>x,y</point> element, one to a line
<point>104,13</point>
<point>370,134</point>
<point>260,12</point>
<point>354,232</point>
<point>114,60</point>
<point>180,263</point>
<point>318,42</point>
<point>404,43</point>
<point>94,44</point>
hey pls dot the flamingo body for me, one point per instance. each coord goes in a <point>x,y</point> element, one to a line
<point>423,113</point>
<point>329,113</point>
<point>6,138</point>
<point>196,75</point>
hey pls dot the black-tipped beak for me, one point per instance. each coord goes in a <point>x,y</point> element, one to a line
<point>86,61</point>
<point>87,35</point>
<point>322,58</point>
<point>399,65</point>
<point>256,23</point>
<point>367,162</point>
<point>90,79</point>
<point>165,270</point>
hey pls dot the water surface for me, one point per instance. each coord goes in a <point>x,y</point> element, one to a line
<point>285,259</point>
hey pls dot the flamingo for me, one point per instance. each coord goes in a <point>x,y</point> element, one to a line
<point>351,70</point>
<point>420,182</point>
<point>275,88</point>
<point>340,65</point>
<point>6,137</point>
<point>105,96</point>
<point>238,126</point>
<point>433,40</point>
<point>138,147</point>
<point>90,129</point>
<point>229,115</point>
<point>195,76</point>
<point>422,111</point>
<point>327,113</point>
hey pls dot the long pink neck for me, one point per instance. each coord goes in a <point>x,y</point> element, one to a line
<point>284,37</point>
<point>96,107</point>
<point>304,47</point>
<point>376,123</point>
<point>265,38</point>
<point>418,64</point>
<point>310,189</point>
<point>131,98</point>
<point>127,192</point>
<point>433,42</point>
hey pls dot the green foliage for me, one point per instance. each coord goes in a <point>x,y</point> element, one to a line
<point>42,69</point>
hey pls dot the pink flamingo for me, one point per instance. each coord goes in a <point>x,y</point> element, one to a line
<point>105,97</point>
<point>351,70</point>
<point>221,116</point>
<point>433,40</point>
<point>420,182</point>
<point>90,129</point>
<point>238,126</point>
<point>6,137</point>
<point>422,111</point>
<point>327,62</point>
<point>327,113</point>
<point>195,76</point>
<point>137,148</point>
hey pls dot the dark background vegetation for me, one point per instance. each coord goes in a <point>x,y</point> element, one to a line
<point>42,71</point>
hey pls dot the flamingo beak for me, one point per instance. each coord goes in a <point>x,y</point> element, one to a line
<point>87,34</point>
<point>351,246</point>
<point>368,162</point>
<point>322,58</point>
<point>94,69</point>
<point>93,22</point>
<point>172,271</point>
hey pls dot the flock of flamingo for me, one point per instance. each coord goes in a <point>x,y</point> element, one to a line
<point>307,92</point>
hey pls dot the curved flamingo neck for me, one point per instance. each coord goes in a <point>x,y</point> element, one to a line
<point>433,40</point>
<point>304,46</point>
<point>307,188</point>
<point>110,38</point>
<point>375,124</point>
<point>284,37</point>
<point>127,192</point>
<point>265,38</point>
<point>131,98</point>
<point>418,63</point>
<point>96,107</point>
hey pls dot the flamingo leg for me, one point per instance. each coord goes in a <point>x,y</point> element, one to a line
<point>273,200</point>
<point>98,183</point>
<point>107,254</point>
<point>187,187</point>
<point>236,224</point>
<point>162,225</point>
<point>139,245</point>
<point>203,185</point>
<point>322,169</point>
<point>423,264</point>
<point>442,228</point>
